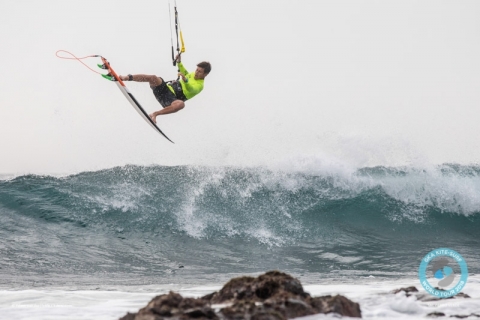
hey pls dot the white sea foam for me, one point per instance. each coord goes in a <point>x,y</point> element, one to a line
<point>374,297</point>
<point>416,186</point>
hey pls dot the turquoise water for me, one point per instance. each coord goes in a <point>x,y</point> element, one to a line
<point>137,225</point>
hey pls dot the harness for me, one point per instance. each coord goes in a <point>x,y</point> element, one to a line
<point>177,88</point>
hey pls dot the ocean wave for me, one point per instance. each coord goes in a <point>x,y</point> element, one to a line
<point>272,206</point>
<point>139,222</point>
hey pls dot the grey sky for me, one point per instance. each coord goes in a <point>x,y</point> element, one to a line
<point>356,82</point>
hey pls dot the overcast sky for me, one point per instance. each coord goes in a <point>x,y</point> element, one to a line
<point>358,82</point>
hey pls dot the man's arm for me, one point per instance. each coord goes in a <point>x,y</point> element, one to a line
<point>182,69</point>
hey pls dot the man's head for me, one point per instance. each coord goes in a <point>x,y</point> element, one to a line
<point>203,69</point>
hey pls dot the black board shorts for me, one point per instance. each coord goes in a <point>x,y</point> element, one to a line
<point>163,94</point>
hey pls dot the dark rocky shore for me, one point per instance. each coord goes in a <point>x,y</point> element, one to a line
<point>273,295</point>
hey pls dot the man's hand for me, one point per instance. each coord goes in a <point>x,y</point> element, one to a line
<point>183,76</point>
<point>178,58</point>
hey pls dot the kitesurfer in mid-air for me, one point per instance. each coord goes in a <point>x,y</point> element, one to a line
<point>173,94</point>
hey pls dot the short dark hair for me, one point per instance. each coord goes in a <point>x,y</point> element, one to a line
<point>207,67</point>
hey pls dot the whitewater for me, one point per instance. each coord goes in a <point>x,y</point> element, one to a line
<point>98,244</point>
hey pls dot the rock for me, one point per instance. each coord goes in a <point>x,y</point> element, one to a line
<point>426,297</point>
<point>465,316</point>
<point>274,295</point>
<point>281,292</point>
<point>337,304</point>
<point>249,310</point>
<point>258,289</point>
<point>435,314</point>
<point>129,316</point>
<point>173,306</point>
<point>407,290</point>
<point>237,288</point>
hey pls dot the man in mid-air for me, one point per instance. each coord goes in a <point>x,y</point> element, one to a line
<point>173,94</point>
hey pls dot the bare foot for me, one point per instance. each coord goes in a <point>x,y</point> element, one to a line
<point>154,118</point>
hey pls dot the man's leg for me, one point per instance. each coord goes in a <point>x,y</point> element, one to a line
<point>152,79</point>
<point>155,81</point>
<point>176,105</point>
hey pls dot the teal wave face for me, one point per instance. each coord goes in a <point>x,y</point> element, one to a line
<point>233,201</point>
<point>272,207</point>
<point>232,216</point>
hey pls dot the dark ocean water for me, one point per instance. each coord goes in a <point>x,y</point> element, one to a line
<point>138,225</point>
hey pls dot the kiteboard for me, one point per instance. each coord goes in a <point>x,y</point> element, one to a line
<point>135,104</point>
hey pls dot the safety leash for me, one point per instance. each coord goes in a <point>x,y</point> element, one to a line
<point>79,59</point>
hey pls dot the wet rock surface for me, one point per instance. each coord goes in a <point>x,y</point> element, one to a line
<point>412,291</point>
<point>425,297</point>
<point>273,295</point>
<point>408,291</point>
<point>435,315</point>
<point>466,316</point>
